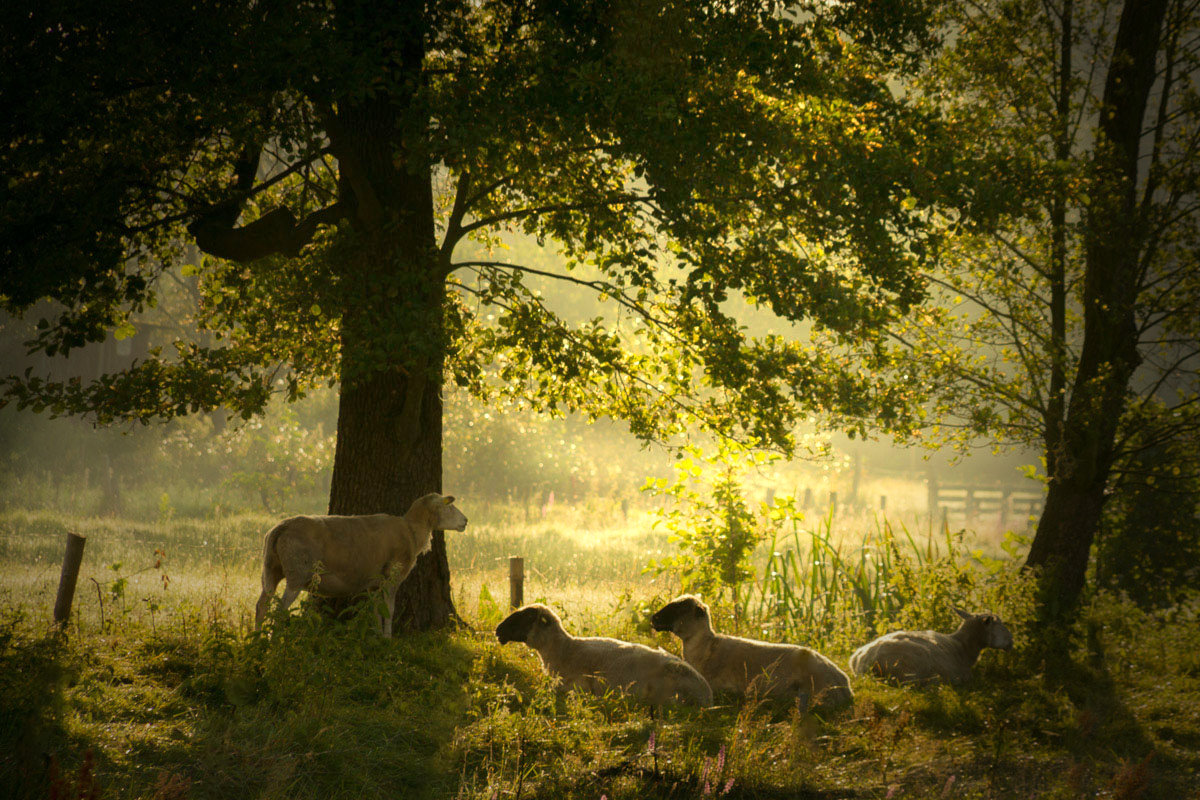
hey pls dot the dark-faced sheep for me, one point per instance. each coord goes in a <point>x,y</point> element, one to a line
<point>734,664</point>
<point>345,556</point>
<point>924,657</point>
<point>598,665</point>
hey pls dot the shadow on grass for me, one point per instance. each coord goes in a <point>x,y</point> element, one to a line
<point>1032,720</point>
<point>33,673</point>
<point>669,785</point>
<point>316,710</point>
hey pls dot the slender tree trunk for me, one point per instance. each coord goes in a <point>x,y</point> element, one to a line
<point>1056,399</point>
<point>1109,355</point>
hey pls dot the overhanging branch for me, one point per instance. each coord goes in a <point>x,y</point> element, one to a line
<point>553,208</point>
<point>275,233</point>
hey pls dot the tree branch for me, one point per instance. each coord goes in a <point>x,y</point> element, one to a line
<point>454,228</point>
<point>275,233</point>
<point>598,286</point>
<point>551,208</point>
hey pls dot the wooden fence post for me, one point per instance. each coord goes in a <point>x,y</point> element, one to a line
<point>70,575</point>
<point>516,581</point>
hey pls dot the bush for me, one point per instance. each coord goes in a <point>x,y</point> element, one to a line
<point>711,522</point>
<point>1149,540</point>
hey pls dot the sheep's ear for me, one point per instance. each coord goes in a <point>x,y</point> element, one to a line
<point>448,499</point>
<point>961,613</point>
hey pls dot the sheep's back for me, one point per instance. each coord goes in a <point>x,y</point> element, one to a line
<point>351,551</point>
<point>652,675</point>
<point>775,668</point>
<point>911,657</point>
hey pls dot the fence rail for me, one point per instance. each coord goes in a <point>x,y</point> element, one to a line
<point>971,503</point>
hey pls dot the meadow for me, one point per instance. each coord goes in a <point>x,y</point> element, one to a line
<point>160,689</point>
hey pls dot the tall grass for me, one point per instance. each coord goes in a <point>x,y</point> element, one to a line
<point>829,587</point>
<point>186,702</point>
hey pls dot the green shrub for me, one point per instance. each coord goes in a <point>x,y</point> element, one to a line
<point>711,523</point>
<point>1149,541</point>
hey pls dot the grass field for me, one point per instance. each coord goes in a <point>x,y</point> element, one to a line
<point>160,689</point>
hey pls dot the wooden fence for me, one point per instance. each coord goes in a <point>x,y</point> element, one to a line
<point>972,503</point>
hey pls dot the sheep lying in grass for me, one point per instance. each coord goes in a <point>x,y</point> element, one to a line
<point>733,664</point>
<point>929,656</point>
<point>346,556</point>
<point>598,664</point>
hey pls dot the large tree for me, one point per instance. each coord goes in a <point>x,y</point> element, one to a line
<point>1067,298</point>
<point>331,159</point>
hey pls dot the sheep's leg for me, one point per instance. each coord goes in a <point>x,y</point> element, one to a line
<point>389,600</point>
<point>393,575</point>
<point>260,608</point>
<point>272,574</point>
<point>290,593</point>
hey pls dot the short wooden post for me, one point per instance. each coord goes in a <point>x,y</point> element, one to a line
<point>70,575</point>
<point>931,502</point>
<point>833,502</point>
<point>857,479</point>
<point>807,498</point>
<point>883,502</point>
<point>516,581</point>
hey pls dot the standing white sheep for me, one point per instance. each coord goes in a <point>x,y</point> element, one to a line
<point>929,656</point>
<point>345,556</point>
<point>734,664</point>
<point>597,664</point>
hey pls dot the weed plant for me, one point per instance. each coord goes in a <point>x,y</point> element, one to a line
<point>834,590</point>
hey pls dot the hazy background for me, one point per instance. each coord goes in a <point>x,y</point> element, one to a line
<point>210,464</point>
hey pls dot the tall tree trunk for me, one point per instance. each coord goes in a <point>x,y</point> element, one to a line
<point>389,434</point>
<point>389,437</point>
<point>1109,355</point>
<point>383,462</point>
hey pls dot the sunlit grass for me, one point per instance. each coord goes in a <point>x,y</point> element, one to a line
<point>174,690</point>
<point>585,559</point>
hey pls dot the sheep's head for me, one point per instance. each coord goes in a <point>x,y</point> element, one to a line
<point>527,624</point>
<point>992,632</point>
<point>441,512</point>
<point>681,614</point>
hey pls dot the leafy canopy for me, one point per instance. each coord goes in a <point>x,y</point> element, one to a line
<point>1001,337</point>
<point>683,157</point>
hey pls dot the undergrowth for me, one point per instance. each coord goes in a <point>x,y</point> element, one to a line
<point>161,690</point>
<point>200,708</point>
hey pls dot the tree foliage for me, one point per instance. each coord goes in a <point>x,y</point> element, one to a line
<point>681,154</point>
<point>1068,297</point>
<point>1148,545</point>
